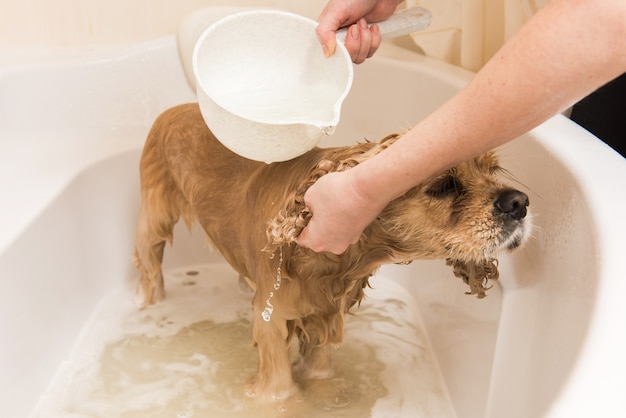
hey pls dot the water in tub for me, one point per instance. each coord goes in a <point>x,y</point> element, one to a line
<point>191,355</point>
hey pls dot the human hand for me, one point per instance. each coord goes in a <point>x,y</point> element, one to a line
<point>340,214</point>
<point>361,41</point>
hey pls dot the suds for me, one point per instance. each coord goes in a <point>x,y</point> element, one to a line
<point>191,355</point>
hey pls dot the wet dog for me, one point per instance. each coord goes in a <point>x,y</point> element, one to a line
<point>252,212</point>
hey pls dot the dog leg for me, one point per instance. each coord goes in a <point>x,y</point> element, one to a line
<point>155,227</point>
<point>315,360</point>
<point>273,381</point>
<point>150,287</point>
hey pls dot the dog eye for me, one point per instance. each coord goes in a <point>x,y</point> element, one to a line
<point>444,187</point>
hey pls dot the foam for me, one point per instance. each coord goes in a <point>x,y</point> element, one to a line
<point>191,355</point>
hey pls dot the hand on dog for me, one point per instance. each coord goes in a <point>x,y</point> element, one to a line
<point>340,214</point>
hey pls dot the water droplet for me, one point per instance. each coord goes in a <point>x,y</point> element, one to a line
<point>267,314</point>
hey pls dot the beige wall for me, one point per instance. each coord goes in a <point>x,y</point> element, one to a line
<point>469,32</point>
<point>35,23</point>
<point>463,32</point>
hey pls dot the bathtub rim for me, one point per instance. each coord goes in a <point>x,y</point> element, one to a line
<point>605,341</point>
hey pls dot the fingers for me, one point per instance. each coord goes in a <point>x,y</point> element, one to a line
<point>377,38</point>
<point>310,239</point>
<point>362,41</point>
<point>326,228</point>
<point>329,229</point>
<point>319,247</point>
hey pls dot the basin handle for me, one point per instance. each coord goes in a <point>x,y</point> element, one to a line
<point>401,23</point>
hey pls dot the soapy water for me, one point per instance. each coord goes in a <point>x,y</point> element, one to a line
<point>191,356</point>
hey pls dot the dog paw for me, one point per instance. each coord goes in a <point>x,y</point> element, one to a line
<point>303,372</point>
<point>148,295</point>
<point>264,393</point>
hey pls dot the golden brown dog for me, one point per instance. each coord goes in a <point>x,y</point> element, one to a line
<point>252,213</point>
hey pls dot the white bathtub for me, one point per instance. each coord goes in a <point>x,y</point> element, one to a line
<point>548,341</point>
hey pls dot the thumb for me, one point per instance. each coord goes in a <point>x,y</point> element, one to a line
<point>326,35</point>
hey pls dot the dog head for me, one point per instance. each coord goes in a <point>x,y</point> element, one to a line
<point>465,215</point>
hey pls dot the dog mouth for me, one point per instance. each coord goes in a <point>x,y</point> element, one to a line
<point>517,242</point>
<point>513,240</point>
<point>515,234</point>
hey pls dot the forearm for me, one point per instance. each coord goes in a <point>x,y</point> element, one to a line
<point>565,52</point>
<point>570,48</point>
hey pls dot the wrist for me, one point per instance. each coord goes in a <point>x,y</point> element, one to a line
<point>368,190</point>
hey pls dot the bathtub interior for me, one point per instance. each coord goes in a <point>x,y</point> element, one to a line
<point>73,133</point>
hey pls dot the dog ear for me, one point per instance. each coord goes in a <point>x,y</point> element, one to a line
<point>475,275</point>
<point>285,227</point>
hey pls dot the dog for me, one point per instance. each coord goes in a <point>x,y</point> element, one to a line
<point>252,213</point>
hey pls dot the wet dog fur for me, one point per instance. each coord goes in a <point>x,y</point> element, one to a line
<point>252,212</point>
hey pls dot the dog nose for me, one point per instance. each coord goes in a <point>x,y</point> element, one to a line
<point>512,203</point>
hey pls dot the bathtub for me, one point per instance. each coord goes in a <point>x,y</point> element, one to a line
<point>548,341</point>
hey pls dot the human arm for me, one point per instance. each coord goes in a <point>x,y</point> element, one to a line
<point>566,51</point>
